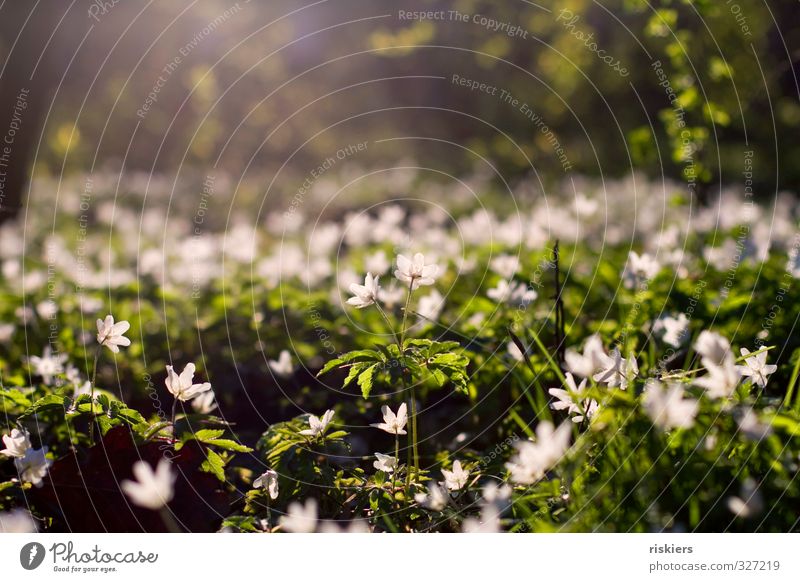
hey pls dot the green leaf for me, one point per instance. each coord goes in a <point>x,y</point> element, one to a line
<point>49,402</point>
<point>229,445</point>
<point>214,464</point>
<point>365,380</point>
<point>205,435</point>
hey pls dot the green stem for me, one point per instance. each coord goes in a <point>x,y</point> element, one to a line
<point>397,466</point>
<point>91,404</point>
<point>414,439</point>
<point>174,406</point>
<point>169,521</point>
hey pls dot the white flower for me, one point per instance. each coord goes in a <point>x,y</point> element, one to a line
<point>430,305</point>
<point>393,423</point>
<point>721,380</point>
<point>47,309</point>
<point>435,499</point>
<point>455,479</point>
<point>48,365</point>
<point>377,263</point>
<point>414,271</point>
<point>489,522</point>
<point>590,362</point>
<point>505,265</point>
<point>318,426</point>
<point>639,268</point>
<point>269,481</point>
<point>204,403</point>
<point>572,400</point>
<point>793,262</point>
<point>6,331</point>
<point>32,466</point>
<point>17,521</point>
<point>668,408</point>
<point>496,494</point>
<point>616,370</point>
<point>516,293</point>
<point>385,463</point>
<point>110,334</point>
<point>750,501</point>
<point>366,294</point>
<point>152,489</point>
<point>712,347</point>
<point>534,459</point>
<point>756,368</point>
<point>181,387</point>
<point>301,518</point>
<point>283,366</point>
<point>673,330</point>
<point>17,443</point>
<point>391,296</point>
<point>752,427</point>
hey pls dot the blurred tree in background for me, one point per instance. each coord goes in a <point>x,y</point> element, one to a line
<point>250,86</point>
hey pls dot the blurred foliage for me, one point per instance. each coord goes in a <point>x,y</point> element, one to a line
<point>261,83</point>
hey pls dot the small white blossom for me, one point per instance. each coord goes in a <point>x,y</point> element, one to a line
<point>269,481</point>
<point>17,443</point>
<point>435,499</point>
<point>668,408</point>
<point>377,262</point>
<point>48,364</point>
<point>385,463</point>
<point>300,518</point>
<point>572,400</point>
<point>721,380</point>
<point>415,272</point>
<point>283,366</point>
<point>616,370</point>
<point>182,387</point>
<point>712,347</point>
<point>590,362</point>
<point>393,423</point>
<point>515,293</point>
<point>457,478</point>
<point>534,459</point>
<point>110,334</point>
<point>639,268</point>
<point>673,330</point>
<point>17,521</point>
<point>752,427</point>
<point>750,501</point>
<point>318,425</point>
<point>756,368</point>
<point>366,294</point>
<point>204,403</point>
<point>489,522</point>
<point>152,489</point>
<point>6,332</point>
<point>505,265</point>
<point>430,305</point>
<point>33,465</point>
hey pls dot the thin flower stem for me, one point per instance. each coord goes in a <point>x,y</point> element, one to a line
<point>169,521</point>
<point>174,406</point>
<point>397,339</point>
<point>414,439</point>
<point>405,314</point>
<point>91,404</point>
<point>397,466</point>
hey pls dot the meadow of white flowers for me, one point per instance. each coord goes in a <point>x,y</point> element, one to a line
<point>602,356</point>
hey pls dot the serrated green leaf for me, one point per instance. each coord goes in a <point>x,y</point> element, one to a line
<point>214,464</point>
